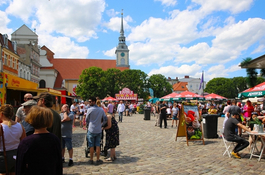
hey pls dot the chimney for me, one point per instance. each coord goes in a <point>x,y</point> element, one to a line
<point>177,79</point>
<point>169,78</point>
<point>186,76</point>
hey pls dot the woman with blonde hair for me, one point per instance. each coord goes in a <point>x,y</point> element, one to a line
<point>39,153</point>
<point>13,134</point>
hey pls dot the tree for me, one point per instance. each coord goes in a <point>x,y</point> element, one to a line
<point>91,83</point>
<point>159,85</point>
<point>135,80</point>
<point>251,73</point>
<point>260,80</point>
<point>240,84</point>
<point>221,86</point>
<point>112,81</point>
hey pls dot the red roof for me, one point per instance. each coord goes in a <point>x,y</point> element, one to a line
<point>72,68</point>
<point>180,86</point>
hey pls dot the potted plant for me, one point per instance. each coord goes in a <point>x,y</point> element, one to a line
<point>258,126</point>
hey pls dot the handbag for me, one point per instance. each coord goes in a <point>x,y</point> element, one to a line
<point>4,148</point>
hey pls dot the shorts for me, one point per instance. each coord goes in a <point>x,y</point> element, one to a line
<point>130,110</point>
<point>11,162</point>
<point>174,117</point>
<point>93,139</point>
<point>126,109</point>
<point>81,117</point>
<point>66,141</point>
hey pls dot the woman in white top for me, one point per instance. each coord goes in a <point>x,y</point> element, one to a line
<point>13,134</point>
<point>175,113</point>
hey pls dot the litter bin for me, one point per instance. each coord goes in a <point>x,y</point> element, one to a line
<point>147,112</point>
<point>210,122</point>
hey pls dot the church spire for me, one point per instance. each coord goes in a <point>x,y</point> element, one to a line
<point>122,37</point>
<point>122,31</point>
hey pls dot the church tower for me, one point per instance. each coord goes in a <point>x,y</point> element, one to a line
<point>122,51</point>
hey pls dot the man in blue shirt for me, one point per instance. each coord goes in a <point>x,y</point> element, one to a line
<point>95,116</point>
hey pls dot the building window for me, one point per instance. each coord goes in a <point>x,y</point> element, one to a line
<point>20,73</point>
<point>24,75</point>
<point>42,84</point>
<point>5,59</point>
<point>27,75</point>
<point>11,62</point>
<point>122,61</point>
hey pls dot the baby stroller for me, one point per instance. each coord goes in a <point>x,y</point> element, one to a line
<point>102,149</point>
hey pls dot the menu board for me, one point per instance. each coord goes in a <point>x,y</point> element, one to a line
<point>190,121</point>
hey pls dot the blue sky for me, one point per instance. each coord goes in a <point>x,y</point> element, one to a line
<point>171,37</point>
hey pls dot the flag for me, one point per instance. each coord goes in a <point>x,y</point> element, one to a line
<point>201,84</point>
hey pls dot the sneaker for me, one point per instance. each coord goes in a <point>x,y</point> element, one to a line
<point>98,162</point>
<point>71,163</point>
<point>90,162</point>
<point>235,155</point>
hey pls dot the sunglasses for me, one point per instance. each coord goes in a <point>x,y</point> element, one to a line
<point>89,101</point>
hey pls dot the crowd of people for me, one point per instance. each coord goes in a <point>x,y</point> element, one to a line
<point>36,140</point>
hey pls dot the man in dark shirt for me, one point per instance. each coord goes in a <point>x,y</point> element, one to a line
<point>45,99</point>
<point>163,114</point>
<point>235,109</point>
<point>230,135</point>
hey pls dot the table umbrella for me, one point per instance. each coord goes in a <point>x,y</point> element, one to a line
<point>109,99</point>
<point>214,96</point>
<point>187,95</point>
<point>256,91</point>
<point>168,97</point>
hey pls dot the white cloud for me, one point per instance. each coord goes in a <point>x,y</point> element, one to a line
<point>168,2</point>
<point>172,71</point>
<point>234,6</point>
<point>63,47</point>
<point>110,53</point>
<point>4,21</point>
<point>77,19</point>
<point>114,23</point>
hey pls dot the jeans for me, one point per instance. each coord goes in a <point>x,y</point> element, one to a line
<point>241,142</point>
<point>120,116</point>
<point>163,117</point>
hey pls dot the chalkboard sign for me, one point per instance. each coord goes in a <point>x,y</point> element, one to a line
<point>190,124</point>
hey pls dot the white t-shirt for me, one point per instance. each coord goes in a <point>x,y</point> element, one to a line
<point>175,111</point>
<point>12,136</point>
<point>168,111</point>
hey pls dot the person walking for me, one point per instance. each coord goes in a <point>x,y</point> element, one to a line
<point>67,129</point>
<point>39,153</point>
<point>163,114</point>
<point>120,110</point>
<point>95,116</point>
<point>13,134</point>
<point>175,114</point>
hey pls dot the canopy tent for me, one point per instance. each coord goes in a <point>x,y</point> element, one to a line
<point>109,99</point>
<point>187,95</point>
<point>253,100</point>
<point>214,96</point>
<point>256,91</point>
<point>168,97</point>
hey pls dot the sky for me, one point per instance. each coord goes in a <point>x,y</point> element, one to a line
<point>169,37</point>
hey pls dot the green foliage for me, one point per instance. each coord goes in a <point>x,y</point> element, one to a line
<point>251,73</point>
<point>260,80</point>
<point>160,85</point>
<point>91,83</point>
<point>96,82</point>
<point>262,72</point>
<point>255,121</point>
<point>221,86</point>
<point>240,84</point>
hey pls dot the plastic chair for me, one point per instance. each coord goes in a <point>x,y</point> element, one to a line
<point>227,144</point>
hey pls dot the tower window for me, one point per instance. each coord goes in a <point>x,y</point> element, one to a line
<point>122,61</point>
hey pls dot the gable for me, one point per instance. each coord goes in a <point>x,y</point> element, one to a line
<point>25,31</point>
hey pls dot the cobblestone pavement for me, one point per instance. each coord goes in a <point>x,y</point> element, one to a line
<point>146,149</point>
